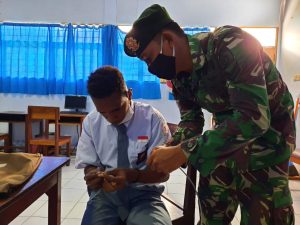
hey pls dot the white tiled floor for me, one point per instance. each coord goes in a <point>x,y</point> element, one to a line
<point>74,198</point>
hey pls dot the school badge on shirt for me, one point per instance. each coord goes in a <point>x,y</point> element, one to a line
<point>142,156</point>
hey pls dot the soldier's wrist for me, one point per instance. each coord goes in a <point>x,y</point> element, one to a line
<point>135,176</point>
<point>189,146</point>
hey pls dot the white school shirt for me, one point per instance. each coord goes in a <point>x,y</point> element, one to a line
<point>97,144</point>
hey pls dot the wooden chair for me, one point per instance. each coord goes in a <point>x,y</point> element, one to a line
<point>45,140</point>
<point>5,137</point>
<point>295,157</point>
<point>183,215</point>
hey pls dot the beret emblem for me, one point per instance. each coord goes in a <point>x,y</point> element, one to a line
<point>132,44</point>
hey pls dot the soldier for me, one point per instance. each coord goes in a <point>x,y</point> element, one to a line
<point>243,161</point>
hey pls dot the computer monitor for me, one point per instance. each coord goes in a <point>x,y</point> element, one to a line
<point>75,102</point>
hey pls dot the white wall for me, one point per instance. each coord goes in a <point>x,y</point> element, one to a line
<point>288,60</point>
<point>186,13</point>
<point>289,57</point>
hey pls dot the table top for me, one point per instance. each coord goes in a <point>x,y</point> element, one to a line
<point>49,165</point>
<point>18,116</point>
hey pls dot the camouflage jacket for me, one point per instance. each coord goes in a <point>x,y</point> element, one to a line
<point>237,82</point>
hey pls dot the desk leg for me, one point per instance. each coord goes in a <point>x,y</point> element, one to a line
<point>27,147</point>
<point>10,141</point>
<point>10,133</point>
<point>54,207</point>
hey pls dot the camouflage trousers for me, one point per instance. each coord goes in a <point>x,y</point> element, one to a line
<point>263,196</point>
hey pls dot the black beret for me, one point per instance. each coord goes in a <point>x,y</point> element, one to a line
<point>151,21</point>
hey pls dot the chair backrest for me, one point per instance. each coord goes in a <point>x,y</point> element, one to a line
<point>189,194</point>
<point>43,114</point>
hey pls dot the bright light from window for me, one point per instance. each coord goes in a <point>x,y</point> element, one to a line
<point>125,28</point>
<point>266,36</point>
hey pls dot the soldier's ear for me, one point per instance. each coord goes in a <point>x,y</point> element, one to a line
<point>168,37</point>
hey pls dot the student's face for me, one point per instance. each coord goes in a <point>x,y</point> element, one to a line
<point>114,107</point>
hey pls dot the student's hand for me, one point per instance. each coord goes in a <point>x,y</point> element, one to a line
<point>117,178</point>
<point>166,159</point>
<point>92,179</point>
<point>108,185</point>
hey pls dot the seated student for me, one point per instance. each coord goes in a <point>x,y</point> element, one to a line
<point>117,138</point>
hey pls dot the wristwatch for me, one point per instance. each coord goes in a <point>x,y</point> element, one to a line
<point>189,146</point>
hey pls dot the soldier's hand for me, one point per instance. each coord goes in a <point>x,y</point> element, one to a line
<point>166,159</point>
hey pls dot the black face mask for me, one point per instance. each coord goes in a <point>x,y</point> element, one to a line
<point>163,67</point>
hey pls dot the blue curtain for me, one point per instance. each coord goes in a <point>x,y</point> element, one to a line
<point>57,59</point>
<point>85,54</point>
<point>32,57</point>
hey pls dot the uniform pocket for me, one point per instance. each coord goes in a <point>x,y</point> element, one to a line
<point>283,216</point>
<point>141,153</point>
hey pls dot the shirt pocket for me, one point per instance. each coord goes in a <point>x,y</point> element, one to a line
<point>140,153</point>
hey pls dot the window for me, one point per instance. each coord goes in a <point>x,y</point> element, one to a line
<point>267,36</point>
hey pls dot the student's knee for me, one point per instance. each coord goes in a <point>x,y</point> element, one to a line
<point>151,214</point>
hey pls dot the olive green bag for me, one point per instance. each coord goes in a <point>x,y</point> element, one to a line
<point>15,169</point>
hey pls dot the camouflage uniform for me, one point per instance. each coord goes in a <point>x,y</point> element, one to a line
<point>244,159</point>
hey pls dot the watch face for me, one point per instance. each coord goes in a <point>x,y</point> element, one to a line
<point>189,145</point>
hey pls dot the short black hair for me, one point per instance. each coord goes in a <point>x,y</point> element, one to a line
<point>106,81</point>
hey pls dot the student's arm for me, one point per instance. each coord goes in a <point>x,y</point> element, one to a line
<point>87,158</point>
<point>160,135</point>
<point>86,154</point>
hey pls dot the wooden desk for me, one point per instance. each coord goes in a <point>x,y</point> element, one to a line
<point>47,179</point>
<point>20,117</point>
